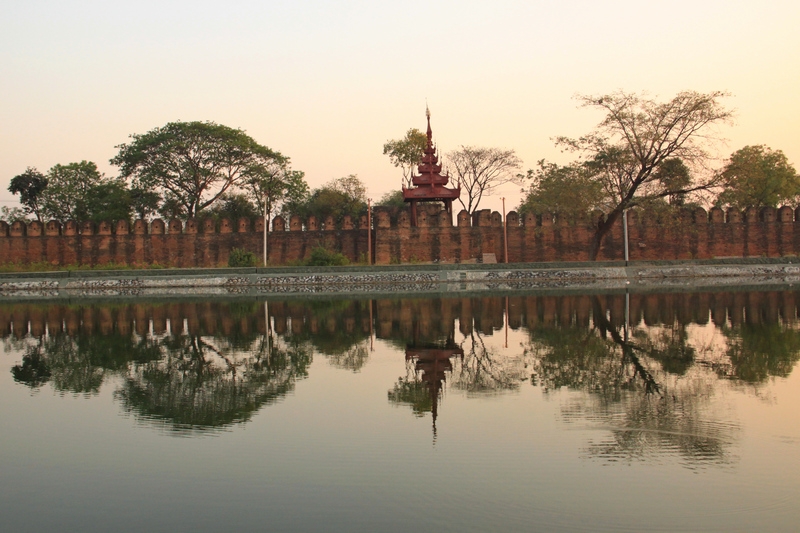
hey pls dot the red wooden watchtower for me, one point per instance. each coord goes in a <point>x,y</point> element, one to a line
<point>430,183</point>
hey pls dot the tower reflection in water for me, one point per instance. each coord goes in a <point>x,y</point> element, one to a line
<point>427,369</point>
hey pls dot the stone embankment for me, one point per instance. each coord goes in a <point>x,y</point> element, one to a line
<point>432,279</point>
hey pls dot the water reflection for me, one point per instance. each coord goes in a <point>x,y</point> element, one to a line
<point>485,369</point>
<point>79,363</point>
<point>427,366</point>
<point>640,387</point>
<point>208,382</point>
<point>336,329</point>
<point>192,366</point>
<point>645,381</point>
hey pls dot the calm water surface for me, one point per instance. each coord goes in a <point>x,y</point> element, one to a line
<point>518,413</point>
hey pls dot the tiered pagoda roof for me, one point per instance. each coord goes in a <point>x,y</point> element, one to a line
<point>430,183</point>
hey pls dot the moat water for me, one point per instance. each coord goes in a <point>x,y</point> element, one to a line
<point>660,412</point>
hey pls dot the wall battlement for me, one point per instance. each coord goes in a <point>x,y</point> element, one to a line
<point>694,233</point>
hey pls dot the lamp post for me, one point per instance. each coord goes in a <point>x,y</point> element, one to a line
<point>505,232</point>
<point>266,226</point>
<point>625,234</point>
<point>369,233</point>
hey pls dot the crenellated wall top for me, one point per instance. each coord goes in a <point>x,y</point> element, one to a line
<point>388,218</point>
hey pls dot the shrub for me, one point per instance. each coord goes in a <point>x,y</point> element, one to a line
<point>321,256</point>
<point>241,258</point>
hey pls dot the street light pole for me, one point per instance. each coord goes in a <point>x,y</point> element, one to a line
<point>625,234</point>
<point>505,233</point>
<point>266,226</point>
<point>369,232</point>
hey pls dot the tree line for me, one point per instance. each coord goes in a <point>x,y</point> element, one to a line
<point>643,153</point>
<point>183,170</point>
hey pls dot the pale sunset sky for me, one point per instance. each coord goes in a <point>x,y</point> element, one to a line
<point>327,83</point>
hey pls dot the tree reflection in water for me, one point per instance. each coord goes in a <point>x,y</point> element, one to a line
<point>648,388</point>
<point>208,382</point>
<point>205,366</point>
<point>485,370</point>
<point>411,390</point>
<point>759,351</point>
<point>79,364</point>
<point>340,334</point>
<point>184,381</point>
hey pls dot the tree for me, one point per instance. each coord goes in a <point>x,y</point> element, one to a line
<point>69,191</point>
<point>567,190</point>
<point>109,200</point>
<point>192,164</point>
<point>144,202</point>
<point>406,153</point>
<point>29,185</point>
<point>760,177</point>
<point>480,170</point>
<point>337,198</point>
<point>78,191</point>
<point>636,137</point>
<point>276,188</point>
<point>393,199</point>
<point>11,215</point>
<point>233,207</point>
<point>674,175</point>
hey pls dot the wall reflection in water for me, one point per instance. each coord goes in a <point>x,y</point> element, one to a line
<point>192,367</point>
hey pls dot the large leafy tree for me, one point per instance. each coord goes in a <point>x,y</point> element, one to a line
<point>636,137</point>
<point>70,191</point>
<point>29,185</point>
<point>758,176</point>
<point>573,191</point>
<point>193,164</point>
<point>337,198</point>
<point>233,207</point>
<point>144,202</point>
<point>673,175</point>
<point>479,171</point>
<point>406,153</point>
<point>392,199</point>
<point>567,190</point>
<point>110,200</point>
<point>275,188</point>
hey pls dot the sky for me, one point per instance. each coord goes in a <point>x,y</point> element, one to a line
<point>328,83</point>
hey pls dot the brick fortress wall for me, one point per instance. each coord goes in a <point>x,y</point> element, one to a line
<point>193,244</point>
<point>693,234</point>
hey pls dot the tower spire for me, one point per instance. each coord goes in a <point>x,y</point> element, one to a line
<point>428,114</point>
<point>429,184</point>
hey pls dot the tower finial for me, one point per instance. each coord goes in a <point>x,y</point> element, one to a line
<point>428,114</point>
